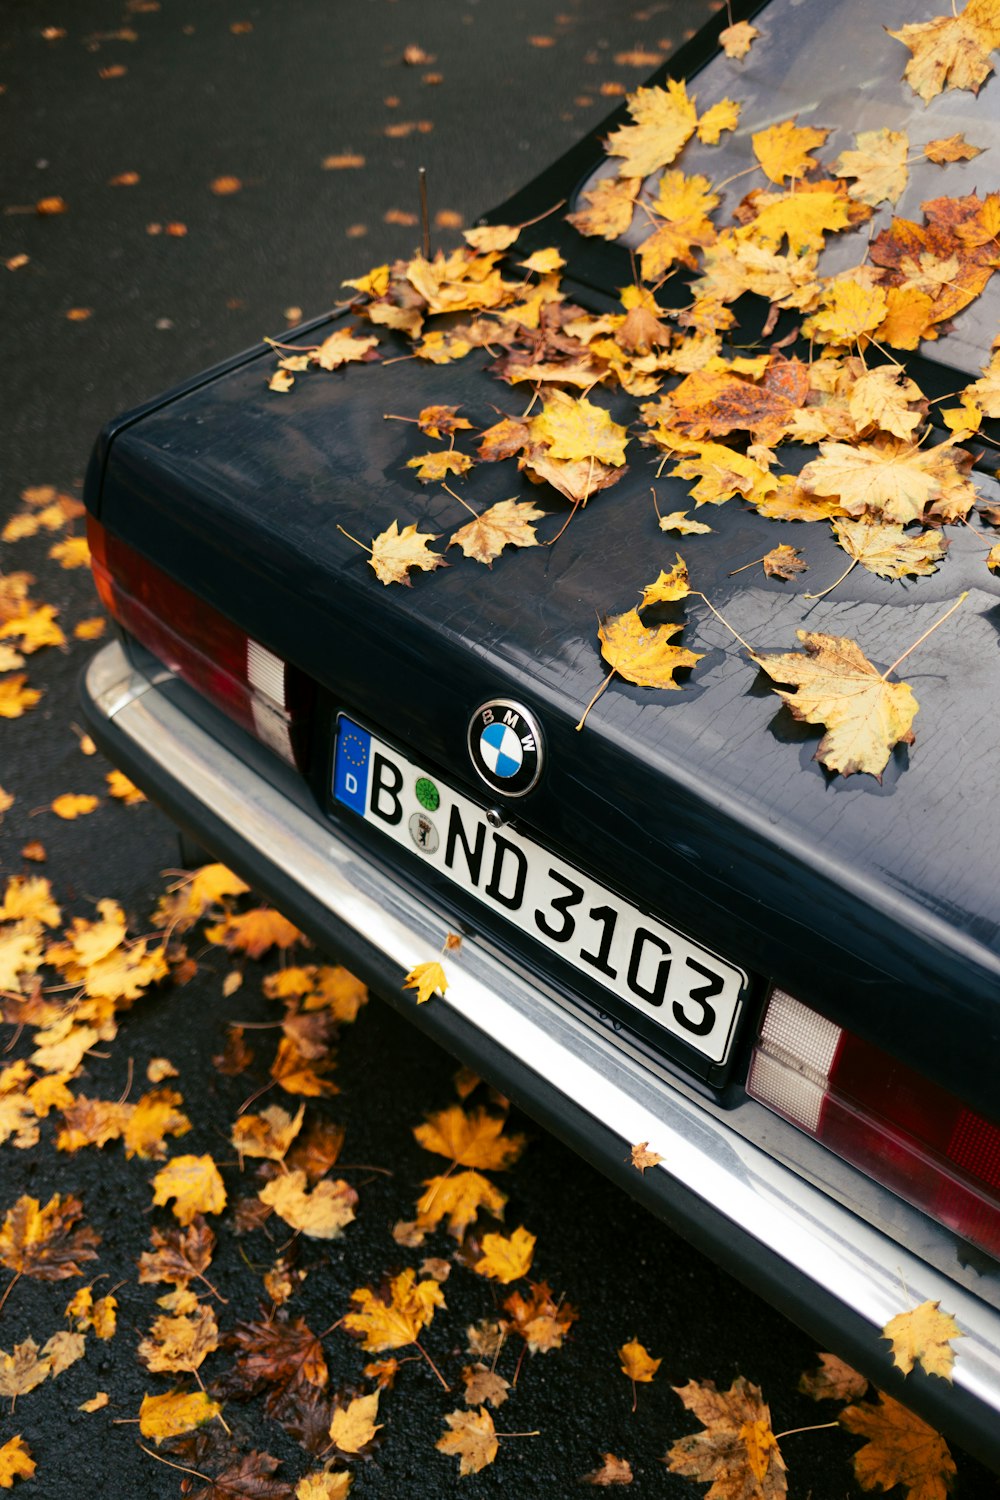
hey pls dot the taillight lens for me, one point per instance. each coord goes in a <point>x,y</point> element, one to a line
<point>895,1125</point>
<point>236,673</point>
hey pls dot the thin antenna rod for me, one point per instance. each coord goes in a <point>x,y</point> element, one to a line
<point>425,223</point>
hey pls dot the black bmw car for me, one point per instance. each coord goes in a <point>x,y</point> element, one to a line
<point>690,923</point>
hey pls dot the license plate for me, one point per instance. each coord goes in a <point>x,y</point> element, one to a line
<point>670,980</point>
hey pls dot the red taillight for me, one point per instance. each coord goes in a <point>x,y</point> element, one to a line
<point>235,672</point>
<point>883,1117</point>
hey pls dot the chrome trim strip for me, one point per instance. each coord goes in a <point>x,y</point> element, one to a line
<point>866,1270</point>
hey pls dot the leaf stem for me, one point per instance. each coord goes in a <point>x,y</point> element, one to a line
<point>697,594</point>
<point>823,592</point>
<point>816,1427</point>
<point>10,1288</point>
<point>451,492</point>
<point>921,638</point>
<point>433,1366</point>
<point>600,690</point>
<point>354,539</point>
<point>170,1465</point>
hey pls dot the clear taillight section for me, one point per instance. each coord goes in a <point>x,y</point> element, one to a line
<point>895,1125</point>
<point>236,673</point>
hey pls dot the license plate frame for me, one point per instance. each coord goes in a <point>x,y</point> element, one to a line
<point>676,989</point>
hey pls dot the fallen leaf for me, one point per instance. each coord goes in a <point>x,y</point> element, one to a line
<point>539,1319</point>
<point>222,187</point>
<point>427,979</point>
<point>353,1426</point>
<point>901,1449</point>
<point>433,468</point>
<point>178,1344</point>
<point>96,1403</point>
<point>254,932</point>
<point>951,148</point>
<point>889,551</point>
<point>836,685</point>
<point>642,653</point>
<point>341,161</point>
<point>736,40</point>
<point>395,552</point>
<point>194,1184</point>
<point>22,1371</point>
<point>268,1134</point>
<point>669,587</point>
<point>664,119</point>
<point>637,1363</point>
<point>612,1471</point>
<point>43,1242</point>
<point>950,51</point>
<point>458,1197</point>
<point>328,1485</point>
<point>833,1380</point>
<point>320,1214</point>
<point>505,524</point>
<point>471,1438</point>
<point>506,1258</point>
<point>784,150</point>
<point>783,561</point>
<point>484,1386</point>
<point>737,1449</point>
<point>923,1336</point>
<point>473,1139</point>
<point>74,805</point>
<point>341,348</point>
<point>396,1322</point>
<point>16,1462</point>
<point>878,165</point>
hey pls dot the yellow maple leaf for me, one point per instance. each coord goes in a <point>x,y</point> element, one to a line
<point>320,1214</point>
<point>642,1158</point>
<point>736,1449</point>
<point>29,898</point>
<point>833,1380</point>
<point>91,1122</point>
<point>471,1438</point>
<point>664,119</point>
<point>678,521</point>
<point>124,790</point>
<point>473,1139</point>
<point>398,1321</point>
<point>951,51</point>
<point>35,629</point>
<point>195,1185</point>
<point>951,148</point>
<point>803,217</point>
<point>612,1471</point>
<point>441,421</point>
<point>16,1462</point>
<point>43,1242</point>
<point>736,40</point>
<point>353,1426</point>
<point>341,348</point>
<point>544,262</point>
<point>681,207</point>
<point>576,430</point>
<point>923,1336</point>
<point>178,1344</point>
<point>901,1449</point>
<point>189,898</point>
<point>890,478</point>
<point>642,653</point>
<point>505,524</point>
<point>722,116</point>
<point>506,1258</point>
<point>325,1485</point>
<point>434,467</point>
<point>889,551</point>
<point>610,204</point>
<point>783,561</point>
<point>637,1362</point>
<point>101,1316</point>
<point>302,1073</point>
<point>74,805</point>
<point>458,1197</point>
<point>491,237</point>
<point>836,686</point>
<point>15,698</point>
<point>539,1319</point>
<point>668,587</point>
<point>174,1413</point>
<point>887,399</point>
<point>73,552</point>
<point>878,165</point>
<point>783,150</point>
<point>910,315</point>
<point>849,309</point>
<point>254,932</point>
<point>155,1116</point>
<point>427,979</point>
<point>395,552</point>
<point>268,1134</point>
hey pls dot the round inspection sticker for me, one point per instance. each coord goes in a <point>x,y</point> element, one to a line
<point>505,745</point>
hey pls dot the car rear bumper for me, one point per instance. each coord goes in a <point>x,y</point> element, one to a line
<point>834,1274</point>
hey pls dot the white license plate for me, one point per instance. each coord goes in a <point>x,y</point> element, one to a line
<point>667,978</point>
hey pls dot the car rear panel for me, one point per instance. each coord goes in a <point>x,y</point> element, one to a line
<point>875,902</point>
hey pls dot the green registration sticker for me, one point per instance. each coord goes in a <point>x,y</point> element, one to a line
<point>427,794</point>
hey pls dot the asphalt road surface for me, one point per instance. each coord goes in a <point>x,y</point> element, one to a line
<point>129,113</point>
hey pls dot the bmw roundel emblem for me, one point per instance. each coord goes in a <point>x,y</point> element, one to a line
<point>505,744</point>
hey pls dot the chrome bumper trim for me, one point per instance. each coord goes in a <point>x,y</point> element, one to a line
<point>864,1269</point>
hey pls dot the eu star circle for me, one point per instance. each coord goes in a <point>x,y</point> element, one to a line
<point>505,745</point>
